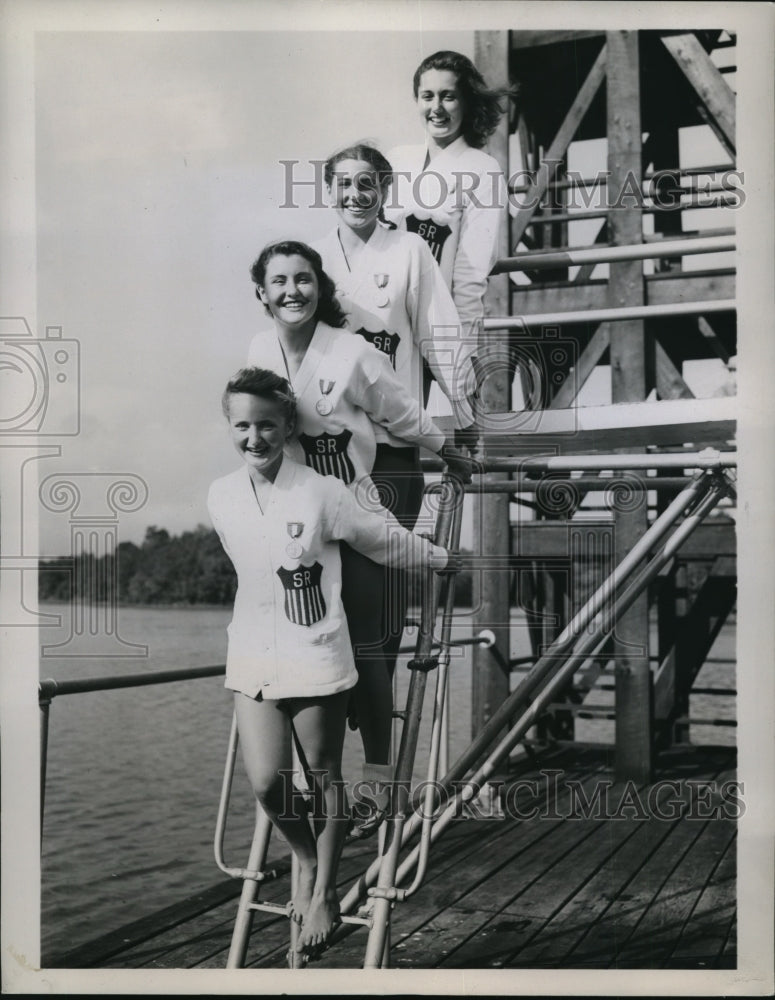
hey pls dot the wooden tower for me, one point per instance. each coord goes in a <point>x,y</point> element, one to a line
<point>636,308</point>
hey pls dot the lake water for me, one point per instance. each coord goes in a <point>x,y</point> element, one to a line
<point>134,775</point>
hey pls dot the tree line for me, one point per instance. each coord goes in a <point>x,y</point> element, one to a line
<point>186,569</point>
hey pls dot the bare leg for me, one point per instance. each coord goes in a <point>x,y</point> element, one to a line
<point>320,727</point>
<point>265,737</point>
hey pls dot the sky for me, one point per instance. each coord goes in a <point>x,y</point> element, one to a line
<point>159,177</point>
<point>158,182</point>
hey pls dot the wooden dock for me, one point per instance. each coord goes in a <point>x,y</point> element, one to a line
<point>563,887</point>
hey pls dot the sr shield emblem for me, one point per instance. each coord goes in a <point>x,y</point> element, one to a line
<point>327,454</point>
<point>434,234</point>
<point>304,604</point>
<point>385,342</point>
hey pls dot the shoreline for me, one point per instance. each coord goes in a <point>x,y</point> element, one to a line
<point>161,605</point>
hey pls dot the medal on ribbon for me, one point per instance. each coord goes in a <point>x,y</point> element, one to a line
<point>324,405</point>
<point>381,281</point>
<point>294,548</point>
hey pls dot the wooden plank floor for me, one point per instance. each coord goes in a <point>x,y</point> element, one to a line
<point>637,877</point>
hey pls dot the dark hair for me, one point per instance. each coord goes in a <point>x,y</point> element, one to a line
<point>369,154</point>
<point>266,385</point>
<point>328,310</point>
<point>482,108</point>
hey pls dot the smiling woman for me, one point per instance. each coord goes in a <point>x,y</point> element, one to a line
<point>451,192</point>
<point>395,298</point>
<point>440,104</point>
<point>289,660</point>
<point>261,425</point>
<point>346,391</point>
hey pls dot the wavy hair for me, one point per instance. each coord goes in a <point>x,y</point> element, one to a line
<point>482,108</point>
<point>329,310</point>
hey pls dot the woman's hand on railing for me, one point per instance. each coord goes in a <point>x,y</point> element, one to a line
<point>466,438</point>
<point>454,563</point>
<point>457,463</point>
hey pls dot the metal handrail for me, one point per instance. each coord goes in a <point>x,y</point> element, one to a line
<point>584,634</point>
<point>587,646</point>
<point>446,531</point>
<point>50,688</point>
<point>621,313</point>
<point>709,458</point>
<point>602,179</point>
<point>439,734</point>
<point>571,256</point>
<point>649,207</point>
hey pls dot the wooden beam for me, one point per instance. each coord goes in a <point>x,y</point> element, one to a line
<point>667,423</point>
<point>660,290</point>
<point>584,273</point>
<point>490,680</point>
<point>670,383</point>
<point>559,146</point>
<point>631,379</point>
<point>553,540</point>
<point>712,339</point>
<point>532,39</point>
<point>715,94</point>
<point>694,638</point>
<point>588,360</point>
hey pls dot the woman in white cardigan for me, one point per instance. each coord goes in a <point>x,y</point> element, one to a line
<point>345,390</point>
<point>449,190</point>
<point>394,296</point>
<point>289,659</point>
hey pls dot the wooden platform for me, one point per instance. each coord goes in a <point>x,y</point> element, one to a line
<point>576,883</point>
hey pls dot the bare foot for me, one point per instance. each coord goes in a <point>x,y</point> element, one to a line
<point>298,906</point>
<point>320,920</point>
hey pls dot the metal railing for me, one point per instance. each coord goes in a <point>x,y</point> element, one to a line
<point>572,256</point>
<point>610,315</point>
<point>581,639</point>
<point>50,689</point>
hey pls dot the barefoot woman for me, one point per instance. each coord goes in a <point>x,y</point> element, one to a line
<point>289,658</point>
